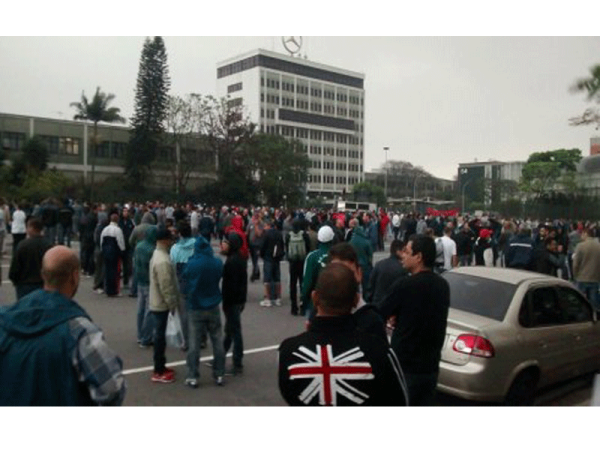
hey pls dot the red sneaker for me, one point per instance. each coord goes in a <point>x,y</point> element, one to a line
<point>165,377</point>
<point>169,370</point>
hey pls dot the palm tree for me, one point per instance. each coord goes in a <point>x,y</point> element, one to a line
<point>96,111</point>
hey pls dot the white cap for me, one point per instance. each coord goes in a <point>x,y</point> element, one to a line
<point>325,234</point>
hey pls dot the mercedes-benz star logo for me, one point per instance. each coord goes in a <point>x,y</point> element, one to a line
<point>292,44</point>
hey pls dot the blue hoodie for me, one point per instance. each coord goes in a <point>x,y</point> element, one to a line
<point>36,346</point>
<point>202,276</point>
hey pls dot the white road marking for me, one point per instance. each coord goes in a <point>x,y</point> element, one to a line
<point>203,359</point>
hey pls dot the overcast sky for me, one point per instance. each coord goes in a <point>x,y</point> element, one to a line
<point>435,101</point>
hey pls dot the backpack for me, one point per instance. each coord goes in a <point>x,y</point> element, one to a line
<point>296,247</point>
<point>439,251</point>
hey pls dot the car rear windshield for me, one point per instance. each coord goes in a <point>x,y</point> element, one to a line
<point>481,296</point>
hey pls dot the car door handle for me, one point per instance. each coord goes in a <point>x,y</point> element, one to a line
<point>543,344</point>
<point>577,337</point>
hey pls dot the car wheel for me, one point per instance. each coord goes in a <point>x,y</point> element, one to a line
<point>522,390</point>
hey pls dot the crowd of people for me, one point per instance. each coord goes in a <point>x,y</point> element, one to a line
<point>374,332</point>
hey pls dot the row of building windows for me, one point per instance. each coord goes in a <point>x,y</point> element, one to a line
<point>66,145</point>
<point>314,107</point>
<point>234,103</point>
<point>303,133</point>
<point>329,179</point>
<point>304,90</point>
<point>330,165</point>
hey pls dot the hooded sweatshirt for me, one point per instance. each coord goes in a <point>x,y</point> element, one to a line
<point>235,274</point>
<point>202,276</point>
<point>142,255</point>
<point>181,252</point>
<point>363,247</point>
<point>138,232</point>
<point>36,347</point>
<point>237,226</point>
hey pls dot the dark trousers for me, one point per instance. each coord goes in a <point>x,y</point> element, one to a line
<point>17,237</point>
<point>98,269</point>
<point>87,257</point>
<point>254,251</point>
<point>296,276</point>
<point>111,271</point>
<point>421,388</point>
<point>233,333</point>
<point>127,262</point>
<point>160,342</point>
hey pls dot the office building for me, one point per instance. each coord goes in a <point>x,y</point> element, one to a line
<point>320,105</point>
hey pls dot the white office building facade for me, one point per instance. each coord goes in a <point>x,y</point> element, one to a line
<point>321,106</point>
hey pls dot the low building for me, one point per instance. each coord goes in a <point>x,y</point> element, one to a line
<point>71,149</point>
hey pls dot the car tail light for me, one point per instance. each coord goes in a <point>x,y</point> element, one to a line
<point>473,345</point>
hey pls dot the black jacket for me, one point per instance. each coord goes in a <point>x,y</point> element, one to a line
<point>272,238</point>
<point>26,265</point>
<point>235,274</point>
<point>384,274</point>
<point>368,372</point>
<point>420,303</point>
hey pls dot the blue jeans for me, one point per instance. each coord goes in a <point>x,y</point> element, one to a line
<point>233,333</point>
<point>465,260</point>
<point>64,233</point>
<point>145,323</point>
<point>272,277</point>
<point>591,292</point>
<point>199,322</point>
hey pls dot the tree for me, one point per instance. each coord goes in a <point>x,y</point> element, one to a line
<point>96,111</point>
<point>227,128</point>
<point>590,85</point>
<point>365,191</point>
<point>543,171</point>
<point>279,166</point>
<point>151,99</point>
<point>35,154</point>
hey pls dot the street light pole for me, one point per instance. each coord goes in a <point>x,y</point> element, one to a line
<point>415,193</point>
<point>463,196</point>
<point>386,149</point>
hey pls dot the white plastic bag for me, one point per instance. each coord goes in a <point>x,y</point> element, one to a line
<point>174,333</point>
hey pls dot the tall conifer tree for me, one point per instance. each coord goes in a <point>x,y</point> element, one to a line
<point>151,95</point>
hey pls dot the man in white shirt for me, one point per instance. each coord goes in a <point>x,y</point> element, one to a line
<point>18,228</point>
<point>448,247</point>
<point>112,244</point>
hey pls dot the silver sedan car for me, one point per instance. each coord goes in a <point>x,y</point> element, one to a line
<point>511,332</point>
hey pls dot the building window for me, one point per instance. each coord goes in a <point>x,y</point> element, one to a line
<point>52,142</point>
<point>13,141</point>
<point>234,87</point>
<point>69,146</point>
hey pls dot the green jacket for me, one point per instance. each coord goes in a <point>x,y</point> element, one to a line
<point>363,247</point>
<point>315,261</point>
<point>142,256</point>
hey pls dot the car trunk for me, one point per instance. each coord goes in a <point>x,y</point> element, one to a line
<point>460,322</point>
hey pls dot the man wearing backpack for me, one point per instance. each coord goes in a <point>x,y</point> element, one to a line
<point>445,248</point>
<point>297,245</point>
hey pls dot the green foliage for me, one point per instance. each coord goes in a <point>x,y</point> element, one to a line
<point>97,110</point>
<point>280,167</point>
<point>365,191</point>
<point>543,171</point>
<point>41,185</point>
<point>35,154</point>
<point>591,86</point>
<point>151,99</point>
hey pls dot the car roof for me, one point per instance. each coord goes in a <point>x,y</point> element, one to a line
<point>505,275</point>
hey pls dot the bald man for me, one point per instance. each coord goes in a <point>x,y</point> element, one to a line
<point>51,354</point>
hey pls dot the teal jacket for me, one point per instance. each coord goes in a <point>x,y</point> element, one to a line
<point>142,255</point>
<point>315,261</point>
<point>363,247</point>
<point>201,276</point>
<point>36,347</point>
